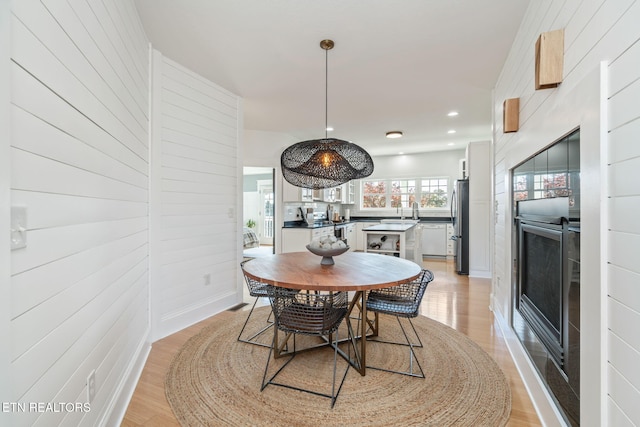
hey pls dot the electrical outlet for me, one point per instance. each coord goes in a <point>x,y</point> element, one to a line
<point>207,279</point>
<point>91,386</point>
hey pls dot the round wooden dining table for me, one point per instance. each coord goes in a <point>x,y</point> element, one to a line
<point>351,271</point>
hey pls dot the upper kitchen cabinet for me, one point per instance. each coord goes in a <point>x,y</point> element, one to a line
<point>291,193</point>
<point>348,193</point>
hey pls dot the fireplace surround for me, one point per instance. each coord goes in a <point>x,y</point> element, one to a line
<point>546,268</point>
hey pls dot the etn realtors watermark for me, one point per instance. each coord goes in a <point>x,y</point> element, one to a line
<point>41,407</point>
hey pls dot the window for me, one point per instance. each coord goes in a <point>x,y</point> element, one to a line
<point>434,193</point>
<point>374,194</point>
<point>396,193</point>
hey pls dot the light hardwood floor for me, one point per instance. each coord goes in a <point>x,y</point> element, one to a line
<point>454,300</point>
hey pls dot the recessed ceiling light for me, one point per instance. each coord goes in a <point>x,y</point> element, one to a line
<point>451,143</point>
<point>329,129</point>
<point>452,131</point>
<point>401,152</point>
<point>452,114</point>
<point>394,134</point>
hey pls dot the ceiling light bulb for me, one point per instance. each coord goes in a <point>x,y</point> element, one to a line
<point>452,114</point>
<point>451,143</point>
<point>452,131</point>
<point>329,129</point>
<point>394,134</point>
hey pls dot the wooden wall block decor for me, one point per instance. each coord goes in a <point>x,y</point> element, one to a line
<point>549,59</point>
<point>511,115</point>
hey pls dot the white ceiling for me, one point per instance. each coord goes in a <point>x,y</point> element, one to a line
<point>397,64</point>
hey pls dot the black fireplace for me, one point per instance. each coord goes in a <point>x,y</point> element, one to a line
<point>543,285</point>
<point>546,268</point>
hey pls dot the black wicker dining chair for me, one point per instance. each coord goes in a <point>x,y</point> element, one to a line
<point>306,313</point>
<point>258,290</point>
<point>402,301</point>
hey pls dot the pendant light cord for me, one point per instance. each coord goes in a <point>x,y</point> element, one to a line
<point>326,93</point>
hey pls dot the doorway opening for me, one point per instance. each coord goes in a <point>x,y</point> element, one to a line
<point>258,211</point>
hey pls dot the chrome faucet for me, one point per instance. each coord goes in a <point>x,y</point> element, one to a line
<point>401,210</point>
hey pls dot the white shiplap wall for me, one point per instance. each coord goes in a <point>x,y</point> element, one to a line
<point>194,197</point>
<point>595,31</point>
<point>5,202</point>
<point>623,234</point>
<point>79,163</point>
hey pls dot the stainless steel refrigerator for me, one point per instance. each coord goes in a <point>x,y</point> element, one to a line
<point>460,219</point>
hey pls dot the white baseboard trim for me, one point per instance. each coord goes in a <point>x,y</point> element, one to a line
<point>178,320</point>
<point>117,408</point>
<point>542,400</point>
<point>480,274</point>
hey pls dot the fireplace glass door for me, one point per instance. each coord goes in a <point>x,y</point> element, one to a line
<point>542,284</point>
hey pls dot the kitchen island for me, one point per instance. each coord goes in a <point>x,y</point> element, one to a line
<point>394,238</point>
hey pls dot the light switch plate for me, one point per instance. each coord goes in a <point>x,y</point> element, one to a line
<point>18,227</point>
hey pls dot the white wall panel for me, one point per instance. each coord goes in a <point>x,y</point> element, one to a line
<point>623,236</point>
<point>79,156</point>
<point>82,87</point>
<point>625,358</point>
<point>88,34</point>
<point>37,285</point>
<point>33,97</point>
<point>625,396</point>
<point>6,392</point>
<point>194,264</point>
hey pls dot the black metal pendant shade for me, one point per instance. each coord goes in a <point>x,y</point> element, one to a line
<point>324,163</point>
<point>328,162</point>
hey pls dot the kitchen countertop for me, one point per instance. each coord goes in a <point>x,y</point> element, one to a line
<point>391,226</point>
<point>319,224</point>
<point>443,219</point>
<point>354,220</point>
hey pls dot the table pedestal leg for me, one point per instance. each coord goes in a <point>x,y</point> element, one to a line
<point>359,361</point>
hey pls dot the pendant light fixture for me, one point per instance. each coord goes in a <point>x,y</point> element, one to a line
<point>327,162</point>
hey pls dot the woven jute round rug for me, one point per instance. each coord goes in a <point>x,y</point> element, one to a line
<point>214,380</point>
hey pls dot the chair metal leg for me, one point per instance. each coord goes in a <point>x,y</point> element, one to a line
<point>415,334</point>
<point>412,355</point>
<point>251,339</point>
<point>334,394</point>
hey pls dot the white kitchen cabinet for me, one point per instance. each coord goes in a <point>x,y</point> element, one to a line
<point>351,192</point>
<point>392,239</point>
<point>291,193</point>
<point>348,195</point>
<point>306,195</point>
<point>350,235</point>
<point>451,244</point>
<point>320,232</point>
<point>360,238</point>
<point>296,239</point>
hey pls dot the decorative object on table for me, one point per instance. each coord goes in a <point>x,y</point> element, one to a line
<point>327,247</point>
<point>251,223</point>
<point>402,301</point>
<point>328,162</point>
<point>464,385</point>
